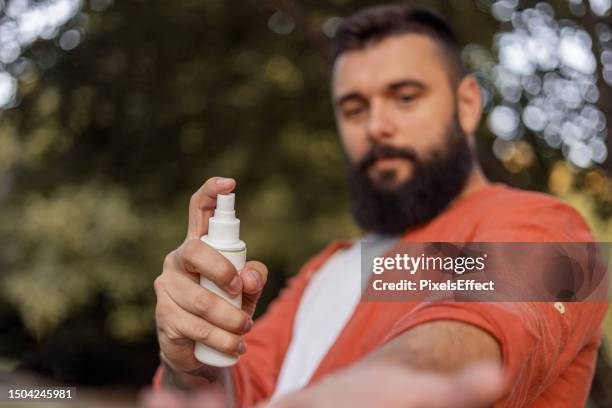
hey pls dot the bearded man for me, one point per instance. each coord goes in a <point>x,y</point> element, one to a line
<point>406,111</point>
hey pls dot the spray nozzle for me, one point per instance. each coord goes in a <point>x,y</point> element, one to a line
<point>223,226</point>
<point>225,207</point>
<point>225,202</point>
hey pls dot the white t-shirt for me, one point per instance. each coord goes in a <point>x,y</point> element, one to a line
<point>326,306</point>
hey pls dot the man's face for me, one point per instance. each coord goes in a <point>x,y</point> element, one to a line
<point>397,115</point>
<point>395,93</point>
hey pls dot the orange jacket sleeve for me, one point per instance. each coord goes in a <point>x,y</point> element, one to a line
<point>541,342</point>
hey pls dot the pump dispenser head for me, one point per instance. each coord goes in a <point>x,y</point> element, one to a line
<point>225,204</point>
<point>223,226</point>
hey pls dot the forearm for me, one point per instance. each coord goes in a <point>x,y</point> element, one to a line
<point>202,379</point>
<point>443,346</point>
<point>203,376</point>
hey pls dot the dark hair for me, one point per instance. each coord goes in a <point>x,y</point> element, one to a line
<point>374,24</point>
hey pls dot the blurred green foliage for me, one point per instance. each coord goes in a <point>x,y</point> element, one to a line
<point>109,140</point>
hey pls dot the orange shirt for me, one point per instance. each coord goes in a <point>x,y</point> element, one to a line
<point>548,356</point>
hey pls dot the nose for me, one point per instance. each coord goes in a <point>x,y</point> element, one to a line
<point>379,125</point>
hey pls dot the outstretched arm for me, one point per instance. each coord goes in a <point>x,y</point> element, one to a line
<point>436,364</point>
<point>443,346</point>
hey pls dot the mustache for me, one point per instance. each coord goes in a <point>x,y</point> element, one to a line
<point>386,152</point>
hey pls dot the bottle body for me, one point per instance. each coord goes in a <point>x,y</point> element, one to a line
<point>235,253</point>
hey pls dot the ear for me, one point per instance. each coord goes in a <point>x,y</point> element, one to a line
<point>469,101</point>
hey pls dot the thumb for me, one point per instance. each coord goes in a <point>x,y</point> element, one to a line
<point>254,276</point>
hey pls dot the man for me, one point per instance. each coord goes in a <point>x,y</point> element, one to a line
<point>406,112</point>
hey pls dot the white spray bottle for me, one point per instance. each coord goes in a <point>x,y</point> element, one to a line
<point>224,236</point>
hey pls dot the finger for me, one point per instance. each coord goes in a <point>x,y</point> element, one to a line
<point>178,330</point>
<point>211,397</point>
<point>195,256</point>
<point>161,399</point>
<point>173,265</point>
<point>254,276</point>
<point>202,203</point>
<point>179,349</point>
<point>176,350</point>
<point>476,386</point>
<point>207,305</point>
<point>479,386</point>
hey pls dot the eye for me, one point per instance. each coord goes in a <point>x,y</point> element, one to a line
<point>406,98</point>
<point>352,110</point>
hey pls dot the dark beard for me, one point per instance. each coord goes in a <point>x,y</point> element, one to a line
<point>431,187</point>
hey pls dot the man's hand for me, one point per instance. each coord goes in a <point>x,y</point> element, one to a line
<point>187,313</point>
<point>397,386</point>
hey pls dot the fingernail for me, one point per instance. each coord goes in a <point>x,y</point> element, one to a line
<point>248,325</point>
<point>241,347</point>
<point>223,181</point>
<point>235,285</point>
<point>253,277</point>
